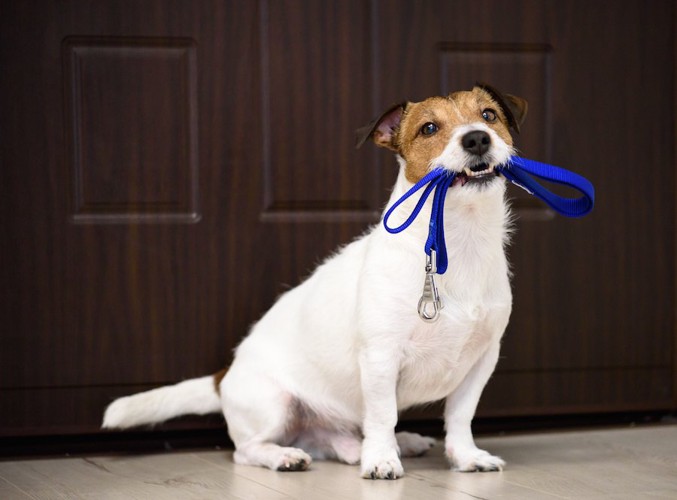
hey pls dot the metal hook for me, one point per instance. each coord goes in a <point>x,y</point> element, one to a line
<point>430,296</point>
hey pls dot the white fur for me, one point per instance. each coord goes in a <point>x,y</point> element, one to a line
<point>326,370</point>
<point>454,157</point>
<point>196,396</point>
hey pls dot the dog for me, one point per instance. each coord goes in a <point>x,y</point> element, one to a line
<point>324,373</point>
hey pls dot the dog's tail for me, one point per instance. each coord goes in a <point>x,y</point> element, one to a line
<point>198,396</point>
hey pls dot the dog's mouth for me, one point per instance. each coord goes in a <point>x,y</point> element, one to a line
<point>477,174</point>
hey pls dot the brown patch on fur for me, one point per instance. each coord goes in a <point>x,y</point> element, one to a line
<point>417,149</point>
<point>218,377</point>
<point>401,132</point>
<point>515,108</point>
<point>448,113</point>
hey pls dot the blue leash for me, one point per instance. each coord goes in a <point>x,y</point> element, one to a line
<point>438,180</point>
<point>518,171</point>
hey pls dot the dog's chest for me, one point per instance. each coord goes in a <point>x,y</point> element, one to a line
<point>437,357</point>
<point>475,292</point>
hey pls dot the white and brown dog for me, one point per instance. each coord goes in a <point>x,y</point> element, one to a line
<point>326,370</point>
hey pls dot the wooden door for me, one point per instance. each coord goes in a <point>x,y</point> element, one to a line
<point>593,322</point>
<point>169,167</point>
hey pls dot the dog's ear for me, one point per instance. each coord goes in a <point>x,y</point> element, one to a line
<point>514,108</point>
<point>382,129</point>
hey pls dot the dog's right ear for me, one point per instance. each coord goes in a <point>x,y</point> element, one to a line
<point>382,129</point>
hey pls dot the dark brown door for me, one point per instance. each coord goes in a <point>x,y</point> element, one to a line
<point>169,167</point>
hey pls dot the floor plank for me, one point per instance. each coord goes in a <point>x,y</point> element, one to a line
<point>433,469</point>
<point>615,464</point>
<point>175,475</point>
<point>336,481</point>
<point>629,463</point>
<point>10,492</point>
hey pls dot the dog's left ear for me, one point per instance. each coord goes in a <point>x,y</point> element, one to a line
<point>514,108</point>
<point>382,129</point>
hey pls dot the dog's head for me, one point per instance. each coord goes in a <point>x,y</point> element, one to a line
<point>467,132</point>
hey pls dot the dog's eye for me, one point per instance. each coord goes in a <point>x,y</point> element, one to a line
<point>429,128</point>
<point>489,115</point>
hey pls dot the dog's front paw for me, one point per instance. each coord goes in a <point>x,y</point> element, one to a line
<point>383,469</point>
<point>474,460</point>
<point>381,461</point>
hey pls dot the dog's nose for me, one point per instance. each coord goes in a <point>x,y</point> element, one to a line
<point>476,142</point>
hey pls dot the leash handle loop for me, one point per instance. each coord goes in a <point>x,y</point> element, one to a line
<point>519,170</point>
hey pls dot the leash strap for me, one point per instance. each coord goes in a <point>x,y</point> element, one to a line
<point>438,180</point>
<point>518,171</point>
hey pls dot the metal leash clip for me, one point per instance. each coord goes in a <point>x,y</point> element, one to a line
<point>430,297</point>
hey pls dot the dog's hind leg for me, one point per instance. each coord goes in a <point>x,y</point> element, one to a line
<point>347,447</point>
<point>261,422</point>
<point>330,444</point>
<point>272,456</point>
<point>412,444</point>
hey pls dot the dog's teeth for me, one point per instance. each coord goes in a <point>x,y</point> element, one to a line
<point>470,173</point>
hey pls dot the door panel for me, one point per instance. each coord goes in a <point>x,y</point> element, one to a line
<point>309,110</point>
<point>168,168</point>
<point>131,125</point>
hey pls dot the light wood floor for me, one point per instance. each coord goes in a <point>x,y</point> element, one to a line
<point>631,463</point>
